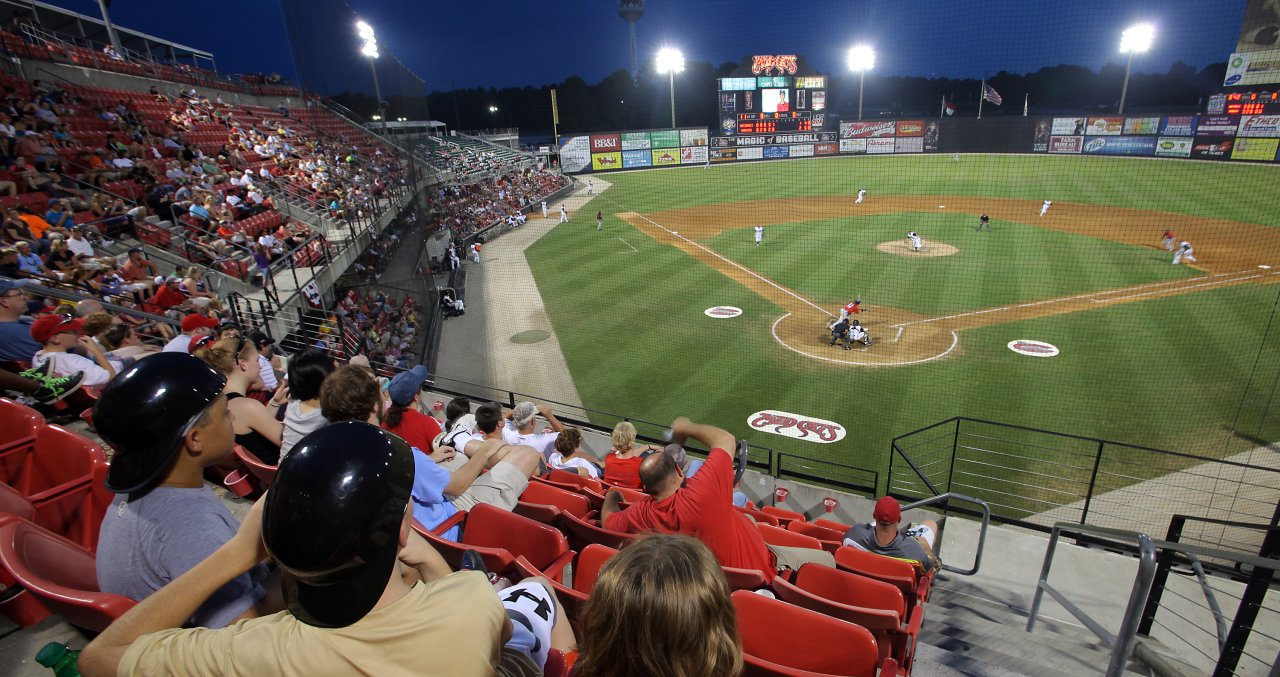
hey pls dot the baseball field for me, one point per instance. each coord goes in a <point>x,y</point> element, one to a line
<point>1173,357</point>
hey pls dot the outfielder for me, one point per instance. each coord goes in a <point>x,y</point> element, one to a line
<point>1167,239</point>
<point>544,209</point>
<point>591,187</point>
<point>759,235</point>
<point>1044,208</point>
<point>599,220</point>
<point>862,192</point>
<point>916,243</point>
<point>564,215</point>
<point>1185,251</point>
<point>984,221</point>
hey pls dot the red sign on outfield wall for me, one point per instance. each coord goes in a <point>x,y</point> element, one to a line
<point>605,142</point>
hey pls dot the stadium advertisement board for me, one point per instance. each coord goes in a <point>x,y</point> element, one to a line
<point>603,143</point>
<point>826,148</point>
<point>802,150</point>
<point>859,130</point>
<point>1261,67</point>
<point>1173,146</point>
<point>1255,150</point>
<point>750,153</point>
<point>774,139</point>
<point>724,154</point>
<point>606,161</point>
<point>1211,148</point>
<point>737,84</point>
<point>693,155</point>
<point>1104,126</point>
<point>910,128</point>
<point>1066,144</point>
<point>575,154</point>
<point>908,144</point>
<point>635,141</point>
<point>1267,126</point>
<point>811,82</point>
<point>777,152</point>
<point>880,145</point>
<point>693,137</point>
<point>1141,125</point>
<point>665,138</point>
<point>1068,126</point>
<point>853,145</point>
<point>932,132</point>
<point>636,158</point>
<point>663,157</point>
<point>1182,125</point>
<point>1217,125</point>
<point>1125,145</point>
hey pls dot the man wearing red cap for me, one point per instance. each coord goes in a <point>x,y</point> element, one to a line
<point>883,538</point>
<point>193,325</point>
<point>58,333</point>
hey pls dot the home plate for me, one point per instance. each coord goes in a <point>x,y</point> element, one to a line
<point>1265,267</point>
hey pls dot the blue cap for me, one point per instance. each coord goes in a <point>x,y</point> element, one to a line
<point>406,384</point>
<point>7,284</point>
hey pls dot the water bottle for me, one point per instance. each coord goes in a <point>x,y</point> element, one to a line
<point>59,658</point>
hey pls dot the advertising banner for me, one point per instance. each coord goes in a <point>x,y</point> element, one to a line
<point>1212,148</point>
<point>1258,150</point>
<point>859,130</point>
<point>728,102</point>
<point>723,155</point>
<point>818,100</point>
<point>693,155</point>
<point>1104,126</point>
<point>853,145</point>
<point>826,148</point>
<point>1217,104</point>
<point>635,141</point>
<point>1141,125</point>
<point>777,152</point>
<point>910,127</point>
<point>782,139</point>
<point>811,82</point>
<point>909,145</point>
<point>575,154</point>
<point>666,138</point>
<point>1181,125</point>
<point>1217,125</point>
<point>1173,146</point>
<point>750,153</point>
<point>666,156</point>
<point>601,143</point>
<point>802,150</point>
<point>636,158</point>
<point>1066,144</point>
<point>1253,68</point>
<point>737,84</point>
<point>1067,126</point>
<point>932,132</point>
<point>1267,126</point>
<point>880,145</point>
<point>693,137</point>
<point>1041,142</point>
<point>723,142</point>
<point>1125,145</point>
<point>605,161</point>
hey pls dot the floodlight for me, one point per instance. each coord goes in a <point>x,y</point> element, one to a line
<point>365,31</point>
<point>1137,38</point>
<point>370,49</point>
<point>670,60</point>
<point>862,58</point>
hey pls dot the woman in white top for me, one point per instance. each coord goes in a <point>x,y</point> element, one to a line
<point>307,370</point>
<point>568,456</point>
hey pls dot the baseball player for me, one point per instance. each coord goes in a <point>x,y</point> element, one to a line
<point>1044,208</point>
<point>591,187</point>
<point>850,308</point>
<point>544,209</point>
<point>475,253</point>
<point>857,334</point>
<point>759,235</point>
<point>839,330</point>
<point>708,164</point>
<point>599,220</point>
<point>862,192</point>
<point>1185,251</point>
<point>564,215</point>
<point>916,243</point>
<point>1167,239</point>
<point>984,221</point>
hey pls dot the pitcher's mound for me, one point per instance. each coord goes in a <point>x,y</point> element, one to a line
<point>903,248</point>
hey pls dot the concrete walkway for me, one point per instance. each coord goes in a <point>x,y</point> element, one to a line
<point>506,315</point>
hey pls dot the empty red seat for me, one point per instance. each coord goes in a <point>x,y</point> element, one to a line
<point>265,473</point>
<point>830,538</point>
<point>500,536</point>
<point>784,517</point>
<point>586,568</point>
<point>557,476</point>
<point>904,575</point>
<point>544,503</point>
<point>583,532</point>
<point>758,516</point>
<point>18,427</point>
<point>788,539</point>
<point>783,639</point>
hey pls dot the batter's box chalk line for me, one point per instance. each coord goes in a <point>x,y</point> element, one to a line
<point>955,341</point>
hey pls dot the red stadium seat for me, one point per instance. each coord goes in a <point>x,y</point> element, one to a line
<point>557,476</point>
<point>744,579</point>
<point>785,640</point>
<point>500,537</point>
<point>18,427</point>
<point>758,516</point>
<point>788,539</point>
<point>904,575</point>
<point>833,525</point>
<point>58,480</point>
<point>586,568</point>
<point>830,538</point>
<point>544,503</point>
<point>785,517</point>
<point>584,532</point>
<point>265,473</point>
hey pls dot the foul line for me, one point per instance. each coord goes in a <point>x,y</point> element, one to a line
<point>629,245</point>
<point>1193,286</point>
<point>955,340</point>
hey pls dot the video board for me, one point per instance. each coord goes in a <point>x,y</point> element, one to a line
<point>775,99</point>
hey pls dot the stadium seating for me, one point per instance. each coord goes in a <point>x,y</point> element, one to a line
<point>781,639</point>
<point>18,427</point>
<point>760,517</point>
<point>500,537</point>
<point>583,532</point>
<point>544,503</point>
<point>784,517</point>
<point>900,573</point>
<point>789,539</point>
<point>263,472</point>
<point>586,567</point>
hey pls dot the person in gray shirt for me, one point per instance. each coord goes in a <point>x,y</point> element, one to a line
<point>883,538</point>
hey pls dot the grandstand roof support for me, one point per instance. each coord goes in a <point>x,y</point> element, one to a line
<point>106,21</point>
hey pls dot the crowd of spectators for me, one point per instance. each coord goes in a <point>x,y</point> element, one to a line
<point>384,328</point>
<point>467,209</point>
<point>465,159</point>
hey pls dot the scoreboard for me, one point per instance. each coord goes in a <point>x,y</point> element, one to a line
<point>770,123</point>
<point>774,99</point>
<point>1253,103</point>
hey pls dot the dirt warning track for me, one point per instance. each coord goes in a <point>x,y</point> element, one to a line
<point>1231,253</point>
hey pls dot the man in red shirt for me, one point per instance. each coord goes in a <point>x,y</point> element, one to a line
<point>702,507</point>
<point>850,308</point>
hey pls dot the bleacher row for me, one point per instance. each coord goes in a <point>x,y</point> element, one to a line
<point>861,618</point>
<point>467,157</point>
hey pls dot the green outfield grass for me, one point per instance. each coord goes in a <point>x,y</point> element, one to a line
<point>1172,373</point>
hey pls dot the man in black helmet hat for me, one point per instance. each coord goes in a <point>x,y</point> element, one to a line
<point>365,593</point>
<point>167,420</point>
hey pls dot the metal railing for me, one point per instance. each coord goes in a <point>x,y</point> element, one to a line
<point>945,501</point>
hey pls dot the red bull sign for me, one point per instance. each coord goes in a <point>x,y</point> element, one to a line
<point>796,426</point>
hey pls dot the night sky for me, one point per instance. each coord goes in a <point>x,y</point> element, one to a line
<point>532,43</point>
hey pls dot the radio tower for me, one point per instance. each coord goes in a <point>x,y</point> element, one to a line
<point>631,11</point>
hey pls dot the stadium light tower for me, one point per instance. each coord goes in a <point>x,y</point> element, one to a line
<point>1135,39</point>
<point>370,50</point>
<point>861,59</point>
<point>671,61</point>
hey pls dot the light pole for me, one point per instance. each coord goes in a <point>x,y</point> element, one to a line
<point>671,61</point>
<point>1134,40</point>
<point>370,50</point>
<point>861,59</point>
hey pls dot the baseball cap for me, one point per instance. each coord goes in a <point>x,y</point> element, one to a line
<point>135,250</point>
<point>46,326</point>
<point>406,384</point>
<point>196,321</point>
<point>888,510</point>
<point>332,520</point>
<point>7,285</point>
<point>523,413</point>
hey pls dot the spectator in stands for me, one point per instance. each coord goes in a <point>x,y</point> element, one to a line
<point>882,536</point>
<point>32,265</point>
<point>268,361</point>
<point>138,268</point>
<point>256,427</point>
<point>568,454</point>
<point>404,418</point>
<point>195,289</point>
<point>193,326</point>
<point>660,607</point>
<point>521,424</point>
<point>459,423</point>
<point>9,264</point>
<point>702,507</point>
<point>510,465</point>
<point>60,214</point>
<point>120,340</point>
<point>112,53</point>
<point>57,334</point>
<point>16,342</point>
<point>168,297</point>
<point>16,230</point>
<point>307,372</point>
<point>622,464</point>
<point>78,244</point>
<point>61,259</point>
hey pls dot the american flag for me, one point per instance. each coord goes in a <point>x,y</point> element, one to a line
<point>990,94</point>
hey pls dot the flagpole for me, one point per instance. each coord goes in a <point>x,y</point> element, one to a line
<point>943,109</point>
<point>981,90</point>
<point>1026,99</point>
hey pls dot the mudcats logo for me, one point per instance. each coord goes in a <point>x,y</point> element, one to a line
<point>797,426</point>
<point>766,63</point>
<point>1033,348</point>
<point>722,312</point>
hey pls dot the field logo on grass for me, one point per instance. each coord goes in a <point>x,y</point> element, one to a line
<point>722,312</point>
<point>1033,348</point>
<point>796,426</point>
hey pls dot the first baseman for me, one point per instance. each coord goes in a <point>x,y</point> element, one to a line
<point>1167,239</point>
<point>759,235</point>
<point>1185,251</point>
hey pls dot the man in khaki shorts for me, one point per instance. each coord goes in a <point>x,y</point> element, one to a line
<point>510,465</point>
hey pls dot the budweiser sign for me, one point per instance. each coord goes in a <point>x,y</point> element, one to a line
<point>766,64</point>
<point>796,426</point>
